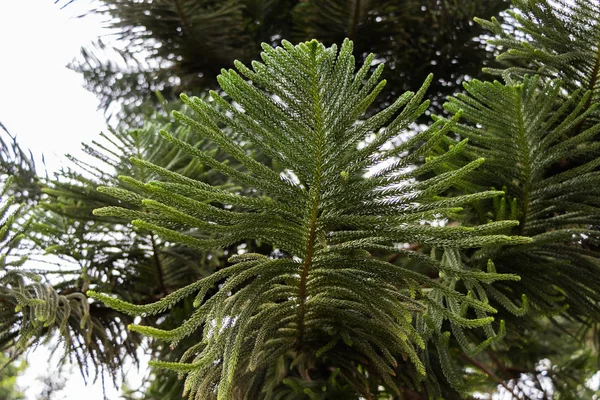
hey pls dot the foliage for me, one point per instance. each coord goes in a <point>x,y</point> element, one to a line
<point>181,45</point>
<point>566,366</point>
<point>9,390</point>
<point>104,253</point>
<point>554,209</point>
<point>33,310</point>
<point>554,40</point>
<point>557,209</point>
<point>324,216</point>
<point>301,233</point>
<point>20,166</point>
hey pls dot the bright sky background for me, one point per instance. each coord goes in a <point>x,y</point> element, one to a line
<point>41,101</point>
<point>45,105</point>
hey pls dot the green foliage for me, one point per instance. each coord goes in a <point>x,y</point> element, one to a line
<point>181,45</point>
<point>109,252</point>
<point>325,213</point>
<point>11,231</point>
<point>296,235</point>
<point>523,129</point>
<point>557,39</point>
<point>104,253</point>
<point>32,310</point>
<point>561,363</point>
<point>17,164</point>
<point>9,371</point>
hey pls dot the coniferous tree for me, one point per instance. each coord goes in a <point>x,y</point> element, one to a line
<point>363,261</point>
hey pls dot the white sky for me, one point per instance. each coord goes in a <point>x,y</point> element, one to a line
<point>45,105</point>
<point>41,102</point>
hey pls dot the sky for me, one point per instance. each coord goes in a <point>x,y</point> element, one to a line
<point>41,101</point>
<point>46,107</point>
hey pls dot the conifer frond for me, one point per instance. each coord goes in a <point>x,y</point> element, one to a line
<point>553,39</point>
<point>11,233</point>
<point>11,230</point>
<point>523,130</point>
<point>32,310</point>
<point>101,245</point>
<point>18,164</point>
<point>322,292</point>
<point>101,253</point>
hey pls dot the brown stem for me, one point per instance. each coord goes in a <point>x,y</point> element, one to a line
<point>498,362</point>
<point>411,395</point>
<point>185,22</point>
<point>304,275</point>
<point>312,223</point>
<point>491,374</point>
<point>355,17</point>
